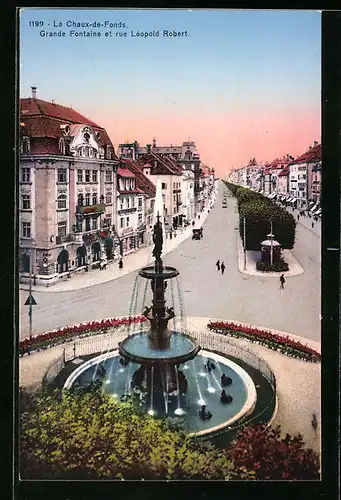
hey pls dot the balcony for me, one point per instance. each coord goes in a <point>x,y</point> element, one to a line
<point>65,239</point>
<point>123,211</point>
<point>91,209</point>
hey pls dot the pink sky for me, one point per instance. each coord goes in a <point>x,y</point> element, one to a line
<point>224,142</point>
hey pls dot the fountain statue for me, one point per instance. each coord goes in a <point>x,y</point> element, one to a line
<point>152,363</point>
<point>159,351</point>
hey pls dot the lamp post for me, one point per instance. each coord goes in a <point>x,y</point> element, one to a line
<point>30,304</point>
<point>271,248</point>
<point>244,243</point>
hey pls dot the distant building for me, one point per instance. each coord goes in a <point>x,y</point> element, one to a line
<point>131,225</point>
<point>154,167</point>
<point>302,170</point>
<point>67,189</point>
<point>145,217</point>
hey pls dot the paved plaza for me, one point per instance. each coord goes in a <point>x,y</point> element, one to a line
<point>235,295</point>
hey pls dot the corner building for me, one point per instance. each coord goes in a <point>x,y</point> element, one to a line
<point>67,191</point>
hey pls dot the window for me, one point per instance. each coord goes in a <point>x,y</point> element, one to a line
<point>26,202</point>
<point>109,220</point>
<point>62,146</point>
<point>108,198</point>
<point>94,224</point>
<point>86,151</point>
<point>128,202</point>
<point>79,175</point>
<point>94,176</point>
<point>25,175</point>
<point>108,176</point>
<point>122,222</point>
<point>174,198</point>
<point>62,201</point>
<point>87,175</point>
<point>87,199</point>
<point>164,185</point>
<point>26,230</point>
<point>140,219</point>
<point>62,175</point>
<point>121,204</point>
<point>25,145</point>
<point>80,199</point>
<point>62,228</point>
<point>94,198</point>
<point>140,202</point>
<point>128,221</point>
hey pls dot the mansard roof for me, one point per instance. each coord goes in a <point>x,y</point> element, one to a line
<point>43,120</point>
<point>142,180</point>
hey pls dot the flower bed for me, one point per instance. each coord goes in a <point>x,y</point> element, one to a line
<point>285,345</point>
<point>62,335</point>
<point>277,267</point>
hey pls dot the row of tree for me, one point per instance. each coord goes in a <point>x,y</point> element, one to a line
<point>90,435</point>
<point>259,212</point>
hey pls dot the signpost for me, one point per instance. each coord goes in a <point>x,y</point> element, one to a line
<point>30,302</point>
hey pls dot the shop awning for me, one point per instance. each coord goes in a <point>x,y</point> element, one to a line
<point>314,208</point>
<point>318,212</point>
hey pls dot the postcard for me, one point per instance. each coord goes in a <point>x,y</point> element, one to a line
<point>170,174</point>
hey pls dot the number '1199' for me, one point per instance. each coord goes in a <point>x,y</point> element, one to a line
<point>36,23</point>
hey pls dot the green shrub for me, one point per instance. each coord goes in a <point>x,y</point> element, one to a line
<point>259,212</point>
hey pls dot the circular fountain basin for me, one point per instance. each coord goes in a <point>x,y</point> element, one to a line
<point>168,272</point>
<point>137,348</point>
<point>203,389</point>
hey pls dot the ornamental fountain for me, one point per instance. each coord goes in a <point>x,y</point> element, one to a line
<point>152,363</point>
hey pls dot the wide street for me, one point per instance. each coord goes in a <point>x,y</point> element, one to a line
<point>234,296</point>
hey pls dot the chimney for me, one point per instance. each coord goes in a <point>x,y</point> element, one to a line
<point>148,148</point>
<point>53,101</point>
<point>34,92</point>
<point>154,142</point>
<point>315,143</point>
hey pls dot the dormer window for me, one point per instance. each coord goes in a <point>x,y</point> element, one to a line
<point>25,146</point>
<point>62,146</point>
<point>86,137</point>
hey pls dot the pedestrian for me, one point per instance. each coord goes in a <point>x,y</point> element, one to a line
<point>298,217</point>
<point>120,264</point>
<point>282,281</point>
<point>222,268</point>
<point>312,225</point>
<point>218,265</point>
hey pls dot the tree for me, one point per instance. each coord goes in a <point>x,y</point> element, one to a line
<point>263,450</point>
<point>259,212</point>
<point>90,435</point>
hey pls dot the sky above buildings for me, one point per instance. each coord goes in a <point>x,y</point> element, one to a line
<point>241,84</point>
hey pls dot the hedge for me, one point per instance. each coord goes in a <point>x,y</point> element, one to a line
<point>259,211</point>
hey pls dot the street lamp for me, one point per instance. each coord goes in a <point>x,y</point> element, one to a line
<point>244,243</point>
<point>30,299</point>
<point>271,247</point>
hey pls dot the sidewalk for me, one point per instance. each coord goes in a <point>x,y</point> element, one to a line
<point>131,262</point>
<point>252,258</point>
<point>305,221</point>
